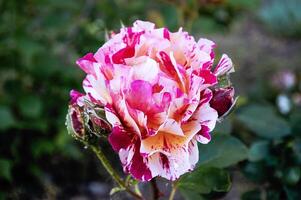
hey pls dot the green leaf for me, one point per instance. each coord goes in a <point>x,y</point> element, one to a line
<point>190,194</point>
<point>5,169</point>
<point>255,171</point>
<point>204,180</point>
<point>224,127</point>
<point>222,151</point>
<point>7,119</point>
<point>295,122</point>
<point>263,121</point>
<point>30,106</point>
<point>258,150</point>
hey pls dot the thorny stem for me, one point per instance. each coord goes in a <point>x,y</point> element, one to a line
<point>105,162</point>
<point>173,191</point>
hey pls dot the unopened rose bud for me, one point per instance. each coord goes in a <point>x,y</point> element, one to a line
<point>84,119</point>
<point>98,124</point>
<point>75,122</point>
<point>222,100</point>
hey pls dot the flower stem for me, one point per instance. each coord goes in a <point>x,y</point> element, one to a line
<point>137,190</point>
<point>105,162</point>
<point>173,191</point>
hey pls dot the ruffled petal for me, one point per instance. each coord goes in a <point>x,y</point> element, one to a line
<point>175,164</point>
<point>225,66</point>
<point>86,63</point>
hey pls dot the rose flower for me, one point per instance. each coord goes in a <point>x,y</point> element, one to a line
<point>155,87</point>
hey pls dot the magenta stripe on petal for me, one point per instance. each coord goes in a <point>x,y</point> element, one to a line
<point>74,96</point>
<point>119,56</point>
<point>205,132</point>
<point>166,34</point>
<point>138,167</point>
<point>119,139</point>
<point>86,63</point>
<point>208,76</point>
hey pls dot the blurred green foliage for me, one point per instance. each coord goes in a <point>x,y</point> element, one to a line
<point>260,123</point>
<point>203,181</point>
<point>274,160</point>
<point>210,178</point>
<point>282,17</point>
<point>39,43</point>
<point>215,154</point>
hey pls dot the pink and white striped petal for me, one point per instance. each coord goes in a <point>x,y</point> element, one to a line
<point>225,66</point>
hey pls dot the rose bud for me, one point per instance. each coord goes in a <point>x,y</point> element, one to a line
<point>75,122</point>
<point>98,124</point>
<point>222,100</point>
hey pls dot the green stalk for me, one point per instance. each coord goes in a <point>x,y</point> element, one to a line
<point>173,191</point>
<point>105,162</point>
